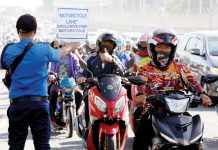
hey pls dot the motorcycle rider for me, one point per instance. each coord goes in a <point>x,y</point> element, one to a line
<point>102,62</point>
<point>125,54</point>
<point>68,66</point>
<point>141,57</point>
<point>164,74</point>
<point>54,44</point>
<point>129,45</point>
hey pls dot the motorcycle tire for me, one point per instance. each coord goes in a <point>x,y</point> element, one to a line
<point>110,142</point>
<point>69,115</point>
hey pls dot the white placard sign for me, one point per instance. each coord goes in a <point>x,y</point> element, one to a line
<point>72,24</point>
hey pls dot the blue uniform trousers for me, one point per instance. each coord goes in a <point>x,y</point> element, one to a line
<point>25,114</point>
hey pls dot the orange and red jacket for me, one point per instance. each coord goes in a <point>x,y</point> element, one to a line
<point>176,77</point>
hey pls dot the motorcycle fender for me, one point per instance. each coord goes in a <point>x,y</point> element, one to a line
<point>109,129</point>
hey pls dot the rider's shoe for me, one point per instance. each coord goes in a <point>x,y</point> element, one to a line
<point>59,122</point>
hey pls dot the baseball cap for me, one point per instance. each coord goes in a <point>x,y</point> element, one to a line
<point>26,23</point>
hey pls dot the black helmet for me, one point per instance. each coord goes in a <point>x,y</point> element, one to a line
<point>166,36</point>
<point>106,37</point>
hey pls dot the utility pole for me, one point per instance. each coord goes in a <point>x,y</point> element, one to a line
<point>200,6</point>
<point>189,7</point>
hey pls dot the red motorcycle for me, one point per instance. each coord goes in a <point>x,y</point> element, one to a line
<point>109,115</point>
<point>136,109</point>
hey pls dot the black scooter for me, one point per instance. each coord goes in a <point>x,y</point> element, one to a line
<point>175,128</point>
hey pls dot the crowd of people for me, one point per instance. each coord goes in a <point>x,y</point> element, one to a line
<point>112,54</point>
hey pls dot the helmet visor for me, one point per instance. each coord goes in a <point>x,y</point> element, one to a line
<point>107,46</point>
<point>165,38</point>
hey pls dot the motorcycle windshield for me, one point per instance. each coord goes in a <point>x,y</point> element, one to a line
<point>109,86</point>
<point>68,82</point>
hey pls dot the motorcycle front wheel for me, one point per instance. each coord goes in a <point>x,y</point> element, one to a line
<point>109,142</point>
<point>69,117</point>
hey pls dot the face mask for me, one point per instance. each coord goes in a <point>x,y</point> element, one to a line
<point>142,48</point>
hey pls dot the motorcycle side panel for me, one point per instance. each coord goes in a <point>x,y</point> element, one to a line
<point>198,126</point>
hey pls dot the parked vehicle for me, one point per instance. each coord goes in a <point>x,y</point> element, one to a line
<point>199,51</point>
<point>109,115</point>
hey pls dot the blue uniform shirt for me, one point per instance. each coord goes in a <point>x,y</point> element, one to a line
<point>30,76</point>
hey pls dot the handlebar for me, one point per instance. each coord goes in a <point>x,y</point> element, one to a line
<point>91,80</point>
<point>196,99</point>
<point>95,81</point>
<point>193,98</point>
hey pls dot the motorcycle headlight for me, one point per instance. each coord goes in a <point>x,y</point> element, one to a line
<point>68,90</point>
<point>177,106</point>
<point>213,70</point>
<point>101,105</point>
<point>119,105</point>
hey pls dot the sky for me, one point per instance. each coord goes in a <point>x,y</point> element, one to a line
<point>29,4</point>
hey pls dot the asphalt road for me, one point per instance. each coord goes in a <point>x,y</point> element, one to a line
<point>60,142</point>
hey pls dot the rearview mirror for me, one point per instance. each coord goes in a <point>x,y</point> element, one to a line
<point>137,80</point>
<point>210,78</point>
<point>195,51</point>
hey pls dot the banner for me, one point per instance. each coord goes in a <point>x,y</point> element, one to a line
<point>72,24</point>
